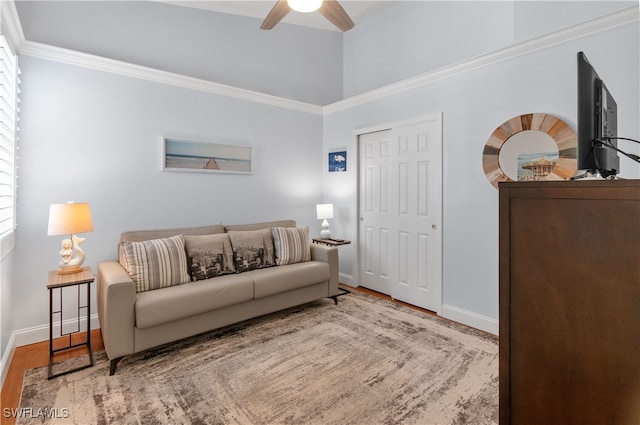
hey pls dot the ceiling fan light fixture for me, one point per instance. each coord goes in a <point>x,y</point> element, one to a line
<point>305,6</point>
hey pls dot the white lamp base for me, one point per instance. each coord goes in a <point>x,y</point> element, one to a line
<point>325,233</point>
<point>71,255</point>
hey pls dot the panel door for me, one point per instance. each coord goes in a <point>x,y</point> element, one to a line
<point>400,204</point>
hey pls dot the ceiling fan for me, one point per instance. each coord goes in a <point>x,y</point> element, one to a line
<point>330,9</point>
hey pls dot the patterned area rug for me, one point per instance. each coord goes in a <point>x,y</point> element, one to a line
<point>364,361</point>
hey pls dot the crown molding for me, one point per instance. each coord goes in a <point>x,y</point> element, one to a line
<point>85,60</point>
<point>10,25</point>
<point>608,22</point>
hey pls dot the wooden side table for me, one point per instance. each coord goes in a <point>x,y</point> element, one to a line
<point>335,243</point>
<point>59,281</point>
<point>331,242</point>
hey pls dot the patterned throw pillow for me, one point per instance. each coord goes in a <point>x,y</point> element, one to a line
<point>291,244</point>
<point>252,249</point>
<point>209,255</point>
<point>156,263</point>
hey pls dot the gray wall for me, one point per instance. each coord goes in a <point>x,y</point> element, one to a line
<point>6,311</point>
<point>413,37</point>
<point>535,18</point>
<point>410,38</point>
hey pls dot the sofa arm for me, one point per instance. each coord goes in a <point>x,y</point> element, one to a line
<point>329,255</point>
<point>116,304</point>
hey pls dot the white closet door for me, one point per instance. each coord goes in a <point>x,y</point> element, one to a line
<point>400,206</point>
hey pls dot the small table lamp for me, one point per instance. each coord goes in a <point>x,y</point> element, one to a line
<point>324,211</point>
<point>68,219</point>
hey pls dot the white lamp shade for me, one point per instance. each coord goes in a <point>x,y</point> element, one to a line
<point>324,211</point>
<point>305,6</point>
<point>69,218</point>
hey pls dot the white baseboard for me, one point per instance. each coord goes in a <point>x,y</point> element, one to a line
<point>469,318</point>
<point>5,362</point>
<point>346,279</point>
<point>41,332</point>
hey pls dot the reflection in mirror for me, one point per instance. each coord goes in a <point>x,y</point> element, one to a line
<point>530,147</point>
<point>525,148</point>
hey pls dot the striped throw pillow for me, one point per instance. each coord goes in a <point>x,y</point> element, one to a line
<point>156,263</point>
<point>291,244</point>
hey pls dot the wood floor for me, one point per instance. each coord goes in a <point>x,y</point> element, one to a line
<point>388,298</point>
<point>37,355</point>
<point>32,356</point>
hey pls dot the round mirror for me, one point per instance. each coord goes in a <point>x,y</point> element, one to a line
<point>522,151</point>
<point>530,147</point>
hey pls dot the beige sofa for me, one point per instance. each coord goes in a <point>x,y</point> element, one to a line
<point>133,319</point>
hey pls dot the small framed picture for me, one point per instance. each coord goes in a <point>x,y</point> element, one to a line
<point>337,161</point>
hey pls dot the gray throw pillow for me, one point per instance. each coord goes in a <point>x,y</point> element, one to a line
<point>252,249</point>
<point>209,255</point>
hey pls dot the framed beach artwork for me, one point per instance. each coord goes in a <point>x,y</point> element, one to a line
<point>207,157</point>
<point>338,161</point>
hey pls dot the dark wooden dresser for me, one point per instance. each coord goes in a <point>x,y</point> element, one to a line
<point>570,302</point>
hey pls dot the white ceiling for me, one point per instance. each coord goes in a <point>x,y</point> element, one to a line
<point>357,10</point>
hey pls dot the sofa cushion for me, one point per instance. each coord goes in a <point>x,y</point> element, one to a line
<point>286,278</point>
<point>252,249</point>
<point>209,255</point>
<point>157,263</point>
<point>291,245</point>
<point>158,307</point>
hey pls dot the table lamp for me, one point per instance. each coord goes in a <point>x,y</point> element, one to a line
<point>324,211</point>
<point>69,219</point>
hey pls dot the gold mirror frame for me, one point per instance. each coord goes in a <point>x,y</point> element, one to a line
<point>564,136</point>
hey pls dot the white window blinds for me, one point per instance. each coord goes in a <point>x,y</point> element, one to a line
<point>9,82</point>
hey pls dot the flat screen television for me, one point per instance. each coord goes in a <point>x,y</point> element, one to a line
<point>597,123</point>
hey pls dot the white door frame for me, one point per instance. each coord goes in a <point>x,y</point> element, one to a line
<point>356,182</point>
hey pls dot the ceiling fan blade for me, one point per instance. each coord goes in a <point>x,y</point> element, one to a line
<point>332,10</point>
<point>278,12</point>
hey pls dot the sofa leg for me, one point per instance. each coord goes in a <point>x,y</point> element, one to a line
<point>343,291</point>
<point>113,365</point>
